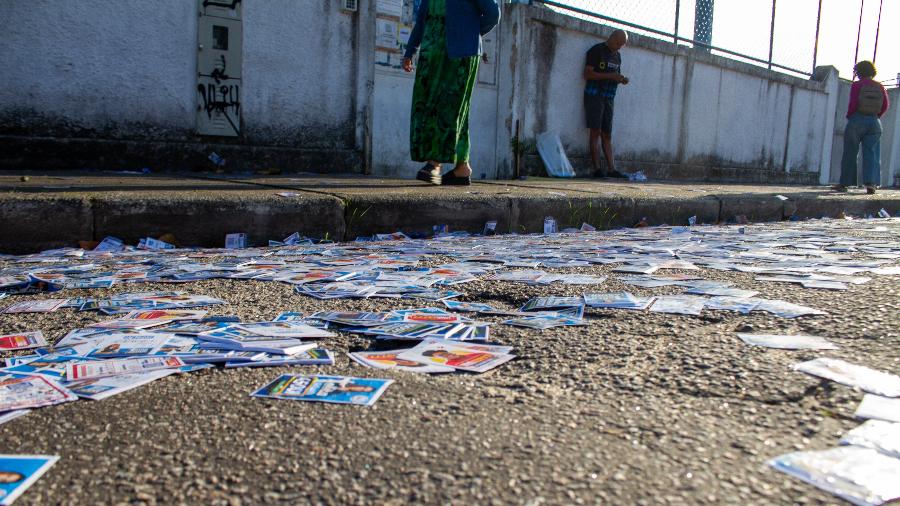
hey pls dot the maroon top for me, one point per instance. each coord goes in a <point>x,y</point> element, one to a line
<point>854,96</point>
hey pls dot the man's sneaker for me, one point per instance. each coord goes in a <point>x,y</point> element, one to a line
<point>598,174</point>
<point>616,174</point>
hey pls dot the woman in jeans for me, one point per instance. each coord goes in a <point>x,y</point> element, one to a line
<point>449,32</point>
<point>868,102</point>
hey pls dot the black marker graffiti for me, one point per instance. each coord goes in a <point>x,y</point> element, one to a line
<point>219,74</point>
<point>221,98</point>
<point>232,5</point>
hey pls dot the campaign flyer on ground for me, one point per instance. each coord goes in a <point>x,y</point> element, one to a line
<point>18,472</point>
<point>389,360</point>
<point>21,392</point>
<point>334,389</point>
<point>455,355</point>
<point>23,341</point>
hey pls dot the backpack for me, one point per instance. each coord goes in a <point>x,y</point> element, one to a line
<point>871,99</point>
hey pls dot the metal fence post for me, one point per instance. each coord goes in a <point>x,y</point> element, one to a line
<point>862,3</point>
<point>816,46</point>
<point>772,35</point>
<point>877,31</point>
<point>677,16</point>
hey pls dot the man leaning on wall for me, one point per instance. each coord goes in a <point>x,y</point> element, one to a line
<point>603,74</point>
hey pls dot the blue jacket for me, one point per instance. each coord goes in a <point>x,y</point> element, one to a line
<point>466,21</point>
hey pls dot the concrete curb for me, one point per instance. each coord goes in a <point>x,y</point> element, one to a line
<point>34,221</point>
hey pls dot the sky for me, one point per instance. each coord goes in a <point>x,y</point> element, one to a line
<point>744,25</point>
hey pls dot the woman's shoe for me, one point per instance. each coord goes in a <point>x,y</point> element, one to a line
<point>451,179</point>
<point>870,189</point>
<point>430,174</point>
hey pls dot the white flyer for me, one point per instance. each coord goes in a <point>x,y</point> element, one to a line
<point>22,392</point>
<point>115,367</point>
<point>860,475</point>
<point>101,388</point>
<point>877,435</point>
<point>788,342</point>
<point>845,373</point>
<point>456,355</point>
<point>22,341</point>
<point>679,304</point>
<point>878,408</point>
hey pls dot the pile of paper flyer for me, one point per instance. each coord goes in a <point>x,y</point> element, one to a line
<point>148,335</point>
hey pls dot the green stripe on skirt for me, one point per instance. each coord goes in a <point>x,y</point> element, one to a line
<point>439,123</point>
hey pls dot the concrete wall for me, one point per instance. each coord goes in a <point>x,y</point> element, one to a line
<point>112,84</point>
<point>105,73</point>
<point>684,114</point>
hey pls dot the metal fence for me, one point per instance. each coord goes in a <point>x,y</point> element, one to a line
<point>791,36</point>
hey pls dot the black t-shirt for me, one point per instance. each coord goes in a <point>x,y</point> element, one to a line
<point>602,59</point>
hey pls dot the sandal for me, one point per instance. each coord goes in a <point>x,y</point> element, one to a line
<point>430,174</point>
<point>450,179</point>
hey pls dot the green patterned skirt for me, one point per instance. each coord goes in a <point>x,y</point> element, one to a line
<point>439,125</point>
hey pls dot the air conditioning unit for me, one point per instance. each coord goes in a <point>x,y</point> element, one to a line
<point>349,5</point>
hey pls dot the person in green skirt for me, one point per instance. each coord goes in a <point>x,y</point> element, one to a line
<point>447,34</point>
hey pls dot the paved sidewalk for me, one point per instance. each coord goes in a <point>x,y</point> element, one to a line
<point>45,211</point>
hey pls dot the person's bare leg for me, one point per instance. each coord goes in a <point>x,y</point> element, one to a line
<point>606,141</point>
<point>595,154</point>
<point>462,169</point>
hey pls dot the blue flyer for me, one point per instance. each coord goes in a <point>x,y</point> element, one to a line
<point>18,472</point>
<point>336,389</point>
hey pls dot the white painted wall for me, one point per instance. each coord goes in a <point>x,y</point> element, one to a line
<point>679,107</point>
<point>126,69</point>
<point>129,67</point>
<point>391,121</point>
<point>100,64</point>
<point>299,73</point>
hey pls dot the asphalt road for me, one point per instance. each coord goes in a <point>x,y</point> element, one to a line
<point>637,408</point>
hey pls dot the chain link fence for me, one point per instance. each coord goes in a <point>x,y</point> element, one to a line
<point>791,36</point>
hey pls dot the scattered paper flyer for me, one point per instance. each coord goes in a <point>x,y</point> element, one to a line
<point>860,475</point>
<point>333,389</point>
<point>23,392</point>
<point>788,342</point>
<point>845,373</point>
<point>679,304</point>
<point>35,306</point>
<point>114,367</point>
<point>877,435</point>
<point>18,472</point>
<point>786,309</point>
<point>101,388</point>
<point>877,407</point>
<point>550,303</point>
<point>23,341</point>
<point>284,329</point>
<point>316,356</point>
<point>389,360</point>
<point>456,355</point>
<point>620,300</point>
<point>12,415</point>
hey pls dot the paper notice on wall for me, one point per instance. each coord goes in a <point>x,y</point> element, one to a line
<point>405,31</point>
<point>386,34</point>
<point>487,66</point>
<point>390,7</point>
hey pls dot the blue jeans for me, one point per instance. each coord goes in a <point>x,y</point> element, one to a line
<point>867,131</point>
